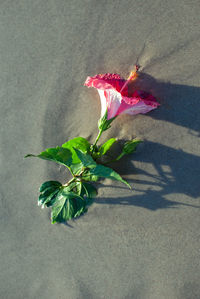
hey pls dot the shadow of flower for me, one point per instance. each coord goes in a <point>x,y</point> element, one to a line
<point>177,170</point>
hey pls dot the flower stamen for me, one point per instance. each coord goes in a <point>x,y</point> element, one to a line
<point>133,75</point>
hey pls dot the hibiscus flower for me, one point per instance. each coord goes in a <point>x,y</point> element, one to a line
<point>115,97</point>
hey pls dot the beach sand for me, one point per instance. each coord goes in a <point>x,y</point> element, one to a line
<point>137,244</point>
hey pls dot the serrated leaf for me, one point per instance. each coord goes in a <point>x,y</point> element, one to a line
<point>79,188</point>
<point>90,190</point>
<point>49,184</point>
<point>87,191</point>
<point>106,172</point>
<point>77,143</point>
<point>76,168</point>
<point>47,196</point>
<point>63,210</point>
<point>69,205</point>
<point>53,200</point>
<point>58,154</point>
<point>85,159</point>
<point>87,176</point>
<point>106,146</point>
<point>66,192</point>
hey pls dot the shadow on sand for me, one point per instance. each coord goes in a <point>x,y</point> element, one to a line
<point>177,173</point>
<point>179,105</point>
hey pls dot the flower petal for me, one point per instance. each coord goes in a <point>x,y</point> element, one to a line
<point>110,100</point>
<point>140,95</point>
<point>107,81</point>
<point>116,98</point>
<point>103,101</point>
<point>140,107</point>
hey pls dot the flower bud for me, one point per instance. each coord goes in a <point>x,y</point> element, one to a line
<point>130,146</point>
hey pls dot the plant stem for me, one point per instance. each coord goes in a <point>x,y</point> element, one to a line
<point>117,159</point>
<point>98,136</point>
<point>68,183</point>
<point>120,156</point>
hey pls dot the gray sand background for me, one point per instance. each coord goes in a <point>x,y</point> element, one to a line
<point>131,244</point>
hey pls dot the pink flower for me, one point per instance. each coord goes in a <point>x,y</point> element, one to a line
<point>113,91</point>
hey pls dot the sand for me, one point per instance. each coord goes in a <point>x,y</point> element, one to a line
<point>141,243</point>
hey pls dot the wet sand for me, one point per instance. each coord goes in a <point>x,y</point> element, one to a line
<point>141,243</point>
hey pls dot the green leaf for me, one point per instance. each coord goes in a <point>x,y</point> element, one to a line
<point>59,155</point>
<point>106,172</point>
<point>87,176</point>
<point>49,184</point>
<point>53,200</point>
<point>69,205</point>
<point>85,159</point>
<point>87,191</point>
<point>47,200</point>
<point>130,146</point>
<point>62,210</point>
<point>76,168</point>
<point>106,146</point>
<point>68,201</point>
<point>70,187</point>
<point>48,190</point>
<point>90,190</point>
<point>79,188</point>
<point>104,123</point>
<point>77,143</point>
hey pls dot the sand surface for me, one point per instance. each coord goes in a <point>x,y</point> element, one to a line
<point>140,244</point>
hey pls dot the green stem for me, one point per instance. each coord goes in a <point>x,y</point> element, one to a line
<point>120,156</point>
<point>68,183</point>
<point>98,136</point>
<point>76,177</point>
<point>117,159</point>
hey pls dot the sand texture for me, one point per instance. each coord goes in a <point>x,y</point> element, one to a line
<point>132,244</point>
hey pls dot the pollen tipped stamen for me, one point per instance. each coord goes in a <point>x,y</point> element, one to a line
<point>133,75</point>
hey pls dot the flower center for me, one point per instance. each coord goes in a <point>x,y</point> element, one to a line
<point>133,75</point>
